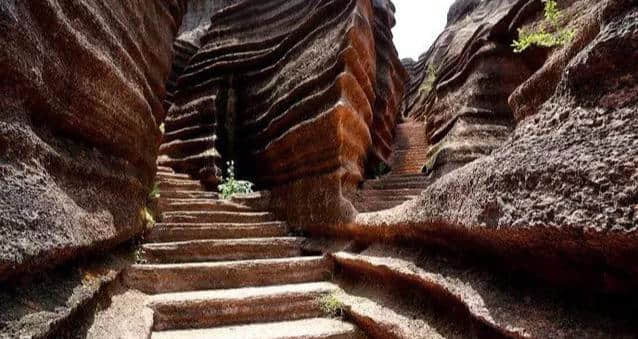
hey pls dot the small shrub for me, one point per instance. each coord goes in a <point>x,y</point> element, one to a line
<point>155,192</point>
<point>430,78</point>
<point>331,306</point>
<point>550,34</point>
<point>147,217</point>
<point>231,186</point>
<point>139,256</point>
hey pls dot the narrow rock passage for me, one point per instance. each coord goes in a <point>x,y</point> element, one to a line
<point>222,269</point>
<point>405,180</point>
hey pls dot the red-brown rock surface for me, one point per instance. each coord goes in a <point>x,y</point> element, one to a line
<point>459,88</point>
<point>559,197</point>
<point>303,102</point>
<point>81,84</point>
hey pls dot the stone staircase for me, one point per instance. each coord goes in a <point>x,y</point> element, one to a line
<point>405,181</point>
<point>228,269</point>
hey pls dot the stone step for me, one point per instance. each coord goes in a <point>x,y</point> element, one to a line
<point>217,217</point>
<point>220,250</point>
<point>164,232</point>
<point>257,200</point>
<point>179,185</point>
<point>402,178</point>
<point>189,195</point>
<point>238,306</point>
<point>164,278</point>
<point>169,176</point>
<point>313,328</point>
<point>164,169</point>
<point>203,205</point>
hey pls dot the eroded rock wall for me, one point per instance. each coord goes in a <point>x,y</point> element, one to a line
<point>460,87</point>
<point>301,94</point>
<point>559,197</point>
<point>81,86</point>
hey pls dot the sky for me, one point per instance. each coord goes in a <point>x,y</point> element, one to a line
<point>419,23</point>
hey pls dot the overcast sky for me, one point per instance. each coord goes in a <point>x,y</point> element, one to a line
<point>419,23</point>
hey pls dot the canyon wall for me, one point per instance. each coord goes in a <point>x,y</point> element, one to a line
<point>302,101</point>
<point>81,87</point>
<point>557,195</point>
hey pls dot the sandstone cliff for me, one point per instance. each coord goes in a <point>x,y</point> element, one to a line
<point>81,86</point>
<point>555,186</point>
<point>303,102</point>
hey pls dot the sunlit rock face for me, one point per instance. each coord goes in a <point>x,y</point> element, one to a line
<point>81,86</point>
<point>460,87</point>
<point>302,95</point>
<point>559,197</point>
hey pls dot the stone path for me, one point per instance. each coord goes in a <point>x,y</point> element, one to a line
<point>405,181</point>
<point>228,269</point>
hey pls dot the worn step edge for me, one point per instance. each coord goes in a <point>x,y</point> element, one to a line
<point>203,205</point>
<point>184,232</point>
<point>217,217</point>
<point>165,278</point>
<point>222,250</point>
<point>238,306</point>
<point>312,328</point>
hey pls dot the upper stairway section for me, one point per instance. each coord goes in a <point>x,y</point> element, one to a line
<point>405,180</point>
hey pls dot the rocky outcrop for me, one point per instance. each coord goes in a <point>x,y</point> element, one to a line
<point>559,198</point>
<point>304,101</point>
<point>195,23</point>
<point>460,86</point>
<point>81,86</point>
<point>390,84</point>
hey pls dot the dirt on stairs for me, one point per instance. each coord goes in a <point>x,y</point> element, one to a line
<point>228,269</point>
<point>405,180</point>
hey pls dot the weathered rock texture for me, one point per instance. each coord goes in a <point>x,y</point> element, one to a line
<point>559,197</point>
<point>81,84</point>
<point>459,88</point>
<point>304,100</point>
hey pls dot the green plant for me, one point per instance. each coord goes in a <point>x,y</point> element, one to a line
<point>330,305</point>
<point>147,217</point>
<point>231,186</point>
<point>155,191</point>
<point>550,33</point>
<point>430,78</point>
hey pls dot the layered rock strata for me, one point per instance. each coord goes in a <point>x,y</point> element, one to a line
<point>460,87</point>
<point>301,101</point>
<point>81,86</point>
<point>559,198</point>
